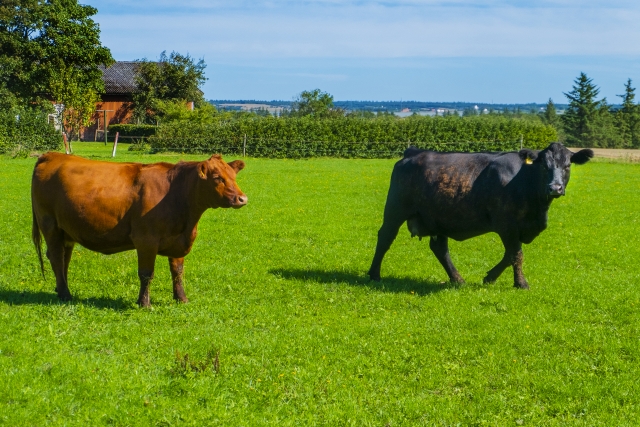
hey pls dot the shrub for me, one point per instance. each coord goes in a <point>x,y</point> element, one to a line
<point>23,131</point>
<point>351,136</point>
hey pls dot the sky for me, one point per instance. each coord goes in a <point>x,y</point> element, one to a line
<point>490,51</point>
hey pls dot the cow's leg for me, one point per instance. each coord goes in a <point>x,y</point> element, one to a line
<point>440,247</point>
<point>68,251</point>
<point>386,236</point>
<point>518,276</point>
<point>146,264</point>
<point>512,257</point>
<point>176,265</point>
<point>56,252</point>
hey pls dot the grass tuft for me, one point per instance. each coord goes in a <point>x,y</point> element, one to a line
<point>187,367</point>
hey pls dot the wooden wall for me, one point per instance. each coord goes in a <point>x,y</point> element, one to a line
<point>120,112</point>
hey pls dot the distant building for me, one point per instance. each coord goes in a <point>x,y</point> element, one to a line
<point>255,107</point>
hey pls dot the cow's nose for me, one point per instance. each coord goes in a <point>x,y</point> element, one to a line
<point>555,189</point>
<point>241,200</point>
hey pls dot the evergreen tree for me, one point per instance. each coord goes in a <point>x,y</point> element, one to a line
<point>582,112</point>
<point>602,130</point>
<point>628,118</point>
<point>550,115</point>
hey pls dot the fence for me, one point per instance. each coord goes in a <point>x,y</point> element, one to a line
<point>259,147</point>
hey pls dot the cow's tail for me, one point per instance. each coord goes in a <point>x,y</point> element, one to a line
<point>36,237</point>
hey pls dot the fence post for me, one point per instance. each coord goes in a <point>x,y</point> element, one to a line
<point>115,144</point>
<point>66,143</point>
<point>244,146</point>
<point>521,142</point>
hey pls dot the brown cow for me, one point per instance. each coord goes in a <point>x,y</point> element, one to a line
<point>114,207</point>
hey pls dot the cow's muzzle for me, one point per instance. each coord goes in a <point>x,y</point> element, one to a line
<point>239,201</point>
<point>556,190</point>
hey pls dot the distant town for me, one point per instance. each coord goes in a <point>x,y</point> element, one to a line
<point>399,108</point>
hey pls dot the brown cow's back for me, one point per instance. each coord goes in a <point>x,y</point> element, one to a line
<point>90,200</point>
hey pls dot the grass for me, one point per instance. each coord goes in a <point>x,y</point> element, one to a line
<point>284,328</point>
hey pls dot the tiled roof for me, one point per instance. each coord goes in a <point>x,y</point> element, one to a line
<point>119,78</point>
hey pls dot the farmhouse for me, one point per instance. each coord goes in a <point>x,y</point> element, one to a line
<point>117,101</point>
<point>116,105</point>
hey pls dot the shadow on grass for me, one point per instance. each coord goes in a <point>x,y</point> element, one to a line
<point>14,297</point>
<point>388,284</point>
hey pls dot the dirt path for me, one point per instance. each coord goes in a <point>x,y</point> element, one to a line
<point>614,153</point>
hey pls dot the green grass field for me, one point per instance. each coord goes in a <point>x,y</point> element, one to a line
<point>278,291</point>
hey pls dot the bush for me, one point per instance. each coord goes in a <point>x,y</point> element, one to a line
<point>351,136</point>
<point>23,131</point>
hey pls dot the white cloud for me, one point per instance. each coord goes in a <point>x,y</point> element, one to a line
<point>372,29</point>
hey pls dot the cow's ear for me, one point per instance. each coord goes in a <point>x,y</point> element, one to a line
<point>202,170</point>
<point>582,156</point>
<point>528,156</point>
<point>237,165</point>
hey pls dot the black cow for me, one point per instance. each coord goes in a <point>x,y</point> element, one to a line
<point>463,195</point>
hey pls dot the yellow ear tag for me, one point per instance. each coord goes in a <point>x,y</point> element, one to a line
<point>202,175</point>
<point>528,161</point>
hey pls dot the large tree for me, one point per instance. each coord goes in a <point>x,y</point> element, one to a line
<point>315,103</point>
<point>50,49</point>
<point>172,78</point>
<point>587,121</point>
<point>628,117</point>
<point>582,110</point>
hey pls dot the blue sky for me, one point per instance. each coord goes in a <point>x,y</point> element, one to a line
<point>501,51</point>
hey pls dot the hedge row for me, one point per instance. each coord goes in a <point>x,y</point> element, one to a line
<point>24,130</point>
<point>131,131</point>
<point>351,137</point>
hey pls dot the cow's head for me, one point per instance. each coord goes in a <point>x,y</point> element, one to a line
<point>220,178</point>
<point>556,161</point>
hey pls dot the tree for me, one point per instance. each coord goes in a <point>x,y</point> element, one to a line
<point>51,50</point>
<point>173,78</point>
<point>178,111</point>
<point>582,111</point>
<point>628,118</point>
<point>315,103</point>
<point>550,115</point>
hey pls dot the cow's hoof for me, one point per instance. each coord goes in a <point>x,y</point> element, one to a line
<point>521,286</point>
<point>65,297</point>
<point>458,280</point>
<point>181,299</point>
<point>374,275</point>
<point>144,304</point>
<point>488,280</point>
<point>374,278</point>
